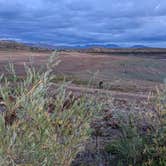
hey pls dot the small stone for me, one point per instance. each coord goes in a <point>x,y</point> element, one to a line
<point>2,109</point>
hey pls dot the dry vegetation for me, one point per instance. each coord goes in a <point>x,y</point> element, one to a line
<point>119,72</point>
<point>38,127</point>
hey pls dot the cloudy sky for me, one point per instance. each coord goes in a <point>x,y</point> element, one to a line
<point>79,22</point>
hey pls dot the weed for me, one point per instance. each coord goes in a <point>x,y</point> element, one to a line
<point>37,129</point>
<point>142,141</point>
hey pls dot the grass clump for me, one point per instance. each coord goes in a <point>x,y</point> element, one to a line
<point>142,141</point>
<point>37,129</point>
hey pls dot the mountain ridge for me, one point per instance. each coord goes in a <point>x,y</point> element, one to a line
<point>11,44</point>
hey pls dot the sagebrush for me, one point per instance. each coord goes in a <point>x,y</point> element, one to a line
<point>37,128</point>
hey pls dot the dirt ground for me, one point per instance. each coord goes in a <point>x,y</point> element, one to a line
<point>117,72</point>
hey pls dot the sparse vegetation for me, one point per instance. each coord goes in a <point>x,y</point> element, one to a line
<point>74,80</point>
<point>142,140</point>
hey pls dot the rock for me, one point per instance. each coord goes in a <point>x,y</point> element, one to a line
<point>2,109</point>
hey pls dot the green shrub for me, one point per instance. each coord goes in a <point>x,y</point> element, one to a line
<point>143,137</point>
<point>37,129</point>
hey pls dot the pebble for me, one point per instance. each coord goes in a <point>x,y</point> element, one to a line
<point>2,109</point>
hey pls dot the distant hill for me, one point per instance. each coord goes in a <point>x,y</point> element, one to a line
<point>13,45</point>
<point>6,44</point>
<point>99,46</point>
<point>140,46</point>
<point>140,50</point>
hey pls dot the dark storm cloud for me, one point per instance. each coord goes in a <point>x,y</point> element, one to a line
<point>83,22</point>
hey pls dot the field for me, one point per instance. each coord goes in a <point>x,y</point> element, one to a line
<point>124,73</point>
<point>127,81</point>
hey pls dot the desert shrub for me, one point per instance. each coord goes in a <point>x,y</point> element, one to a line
<point>143,137</point>
<point>37,129</point>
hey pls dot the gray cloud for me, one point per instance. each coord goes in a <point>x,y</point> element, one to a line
<point>83,22</point>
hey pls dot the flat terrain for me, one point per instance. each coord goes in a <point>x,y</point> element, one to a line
<point>127,78</point>
<point>122,73</point>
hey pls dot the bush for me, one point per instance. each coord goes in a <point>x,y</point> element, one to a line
<point>37,129</point>
<point>143,137</point>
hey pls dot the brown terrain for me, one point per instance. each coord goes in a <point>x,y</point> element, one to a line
<point>124,73</point>
<point>128,76</point>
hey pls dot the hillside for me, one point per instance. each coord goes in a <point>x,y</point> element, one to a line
<point>13,45</point>
<point>105,49</point>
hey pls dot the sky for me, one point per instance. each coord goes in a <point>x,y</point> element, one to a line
<point>82,22</point>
